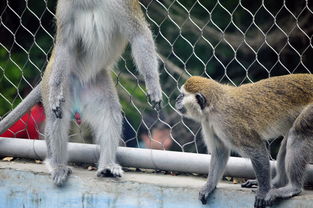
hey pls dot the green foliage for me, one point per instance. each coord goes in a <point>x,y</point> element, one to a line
<point>19,72</point>
<point>11,79</point>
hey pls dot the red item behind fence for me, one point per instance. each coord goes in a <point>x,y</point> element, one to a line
<point>27,125</point>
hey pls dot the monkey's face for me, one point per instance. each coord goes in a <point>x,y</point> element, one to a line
<point>190,104</point>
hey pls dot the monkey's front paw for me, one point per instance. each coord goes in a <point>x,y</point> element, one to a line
<point>113,170</point>
<point>250,184</point>
<point>155,105</point>
<point>60,175</point>
<point>203,197</point>
<point>205,193</point>
<point>155,97</point>
<point>260,202</point>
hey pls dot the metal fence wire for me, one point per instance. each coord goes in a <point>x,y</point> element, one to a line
<point>234,42</point>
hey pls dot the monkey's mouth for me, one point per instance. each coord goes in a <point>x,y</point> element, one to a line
<point>182,110</point>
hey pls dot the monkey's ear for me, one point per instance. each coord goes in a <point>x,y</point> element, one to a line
<point>201,100</point>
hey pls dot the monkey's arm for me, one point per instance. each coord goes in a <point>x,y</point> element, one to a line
<point>143,51</point>
<point>146,60</point>
<point>219,157</point>
<point>30,100</point>
<point>56,76</point>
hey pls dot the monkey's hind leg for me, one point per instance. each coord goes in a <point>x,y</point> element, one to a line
<point>298,153</point>
<point>56,133</point>
<point>279,172</point>
<point>281,178</point>
<point>101,109</point>
<point>261,165</point>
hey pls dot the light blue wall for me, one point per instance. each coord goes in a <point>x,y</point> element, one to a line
<point>20,189</point>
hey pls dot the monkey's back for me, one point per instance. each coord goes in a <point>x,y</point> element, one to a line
<point>270,105</point>
<point>293,89</point>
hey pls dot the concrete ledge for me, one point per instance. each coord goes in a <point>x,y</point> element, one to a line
<point>25,184</point>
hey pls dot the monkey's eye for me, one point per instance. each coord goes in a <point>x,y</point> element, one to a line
<point>201,100</point>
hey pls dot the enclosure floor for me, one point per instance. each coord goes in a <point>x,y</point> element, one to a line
<point>27,185</point>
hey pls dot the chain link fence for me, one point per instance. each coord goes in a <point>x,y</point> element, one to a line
<point>234,42</point>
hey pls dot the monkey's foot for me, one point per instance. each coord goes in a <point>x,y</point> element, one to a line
<point>60,175</point>
<point>281,193</point>
<point>55,104</point>
<point>112,170</point>
<point>250,184</point>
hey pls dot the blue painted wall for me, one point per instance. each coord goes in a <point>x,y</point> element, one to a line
<point>22,189</point>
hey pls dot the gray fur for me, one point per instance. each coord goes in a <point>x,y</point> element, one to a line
<point>91,36</point>
<point>297,153</point>
<point>280,178</point>
<point>219,157</point>
<point>261,165</point>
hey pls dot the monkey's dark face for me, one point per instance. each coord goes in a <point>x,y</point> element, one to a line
<point>190,105</point>
<point>179,104</point>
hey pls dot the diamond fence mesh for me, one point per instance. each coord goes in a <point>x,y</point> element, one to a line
<point>234,42</point>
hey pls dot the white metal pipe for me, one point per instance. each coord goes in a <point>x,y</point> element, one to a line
<point>134,157</point>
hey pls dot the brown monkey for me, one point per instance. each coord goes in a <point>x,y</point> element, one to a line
<point>243,117</point>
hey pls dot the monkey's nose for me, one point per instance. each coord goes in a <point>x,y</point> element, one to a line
<point>179,97</point>
<point>179,106</point>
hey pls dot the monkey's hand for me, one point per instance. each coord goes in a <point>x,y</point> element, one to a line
<point>155,105</point>
<point>56,99</point>
<point>155,96</point>
<point>260,202</point>
<point>205,193</point>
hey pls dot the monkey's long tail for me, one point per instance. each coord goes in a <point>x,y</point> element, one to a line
<point>31,99</point>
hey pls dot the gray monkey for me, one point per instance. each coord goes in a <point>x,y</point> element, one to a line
<point>91,36</point>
